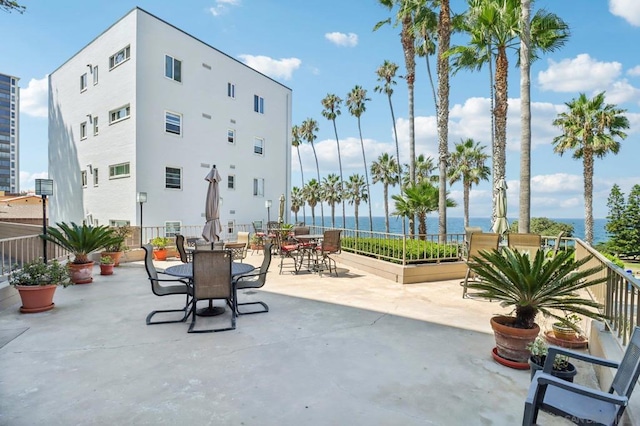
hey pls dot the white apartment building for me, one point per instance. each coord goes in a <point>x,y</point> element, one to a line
<point>9,134</point>
<point>146,107</point>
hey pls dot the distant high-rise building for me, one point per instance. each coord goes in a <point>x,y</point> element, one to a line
<point>9,133</point>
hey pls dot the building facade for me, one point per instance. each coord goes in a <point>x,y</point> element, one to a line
<point>9,134</point>
<point>145,107</point>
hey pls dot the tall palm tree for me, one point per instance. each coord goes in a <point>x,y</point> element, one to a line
<point>424,171</point>
<point>590,128</point>
<point>331,104</point>
<point>386,73</point>
<point>525,118</point>
<point>297,201</point>
<point>356,192</point>
<point>494,26</point>
<point>444,41</point>
<point>356,103</point>
<point>311,193</point>
<point>308,131</point>
<point>467,163</point>
<point>332,193</point>
<point>384,170</point>
<point>296,140</point>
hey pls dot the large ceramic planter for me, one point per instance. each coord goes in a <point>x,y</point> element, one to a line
<point>36,298</point>
<point>567,375</point>
<point>81,273</point>
<point>115,255</point>
<point>160,254</point>
<point>511,342</point>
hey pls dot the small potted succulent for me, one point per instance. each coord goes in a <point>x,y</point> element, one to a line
<point>36,283</point>
<point>160,247</point>
<point>562,368</point>
<point>106,265</point>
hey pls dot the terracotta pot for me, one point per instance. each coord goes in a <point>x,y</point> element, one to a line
<point>36,298</point>
<point>81,273</point>
<point>511,342</point>
<point>160,254</point>
<point>115,255</point>
<point>106,269</point>
<point>563,332</point>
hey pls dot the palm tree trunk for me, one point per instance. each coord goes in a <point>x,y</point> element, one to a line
<point>318,171</point>
<point>355,211</point>
<point>422,226</point>
<point>386,207</point>
<point>444,37</point>
<point>333,214</point>
<point>500,113</point>
<point>366,175</point>
<point>525,121</point>
<point>313,215</point>
<point>335,130</point>
<point>466,189</point>
<point>395,134</point>
<point>304,210</point>
<point>588,193</point>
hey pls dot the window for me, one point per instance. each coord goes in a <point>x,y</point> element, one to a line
<point>95,126</point>
<point>231,227</point>
<point>231,90</point>
<point>258,104</point>
<point>258,146</point>
<point>173,178</point>
<point>172,68</point>
<point>231,182</point>
<point>172,123</point>
<point>83,130</point>
<point>83,82</point>
<point>119,114</point>
<point>95,75</point>
<point>172,228</point>
<point>231,136</point>
<point>119,171</point>
<point>83,178</point>
<point>114,223</point>
<point>119,57</point>
<point>258,187</point>
<point>95,177</point>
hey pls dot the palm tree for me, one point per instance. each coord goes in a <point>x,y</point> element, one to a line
<point>296,140</point>
<point>467,163</point>
<point>308,131</point>
<point>331,104</point>
<point>494,26</point>
<point>297,201</point>
<point>332,193</point>
<point>356,192</point>
<point>525,118</point>
<point>424,171</point>
<point>384,170</point>
<point>356,103</point>
<point>589,128</point>
<point>420,199</point>
<point>311,193</point>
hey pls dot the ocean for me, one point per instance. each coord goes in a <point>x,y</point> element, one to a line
<point>455,225</point>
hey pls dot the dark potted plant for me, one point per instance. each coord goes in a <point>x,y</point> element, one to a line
<point>106,265</point>
<point>160,247</point>
<point>562,368</point>
<point>81,241</point>
<point>115,250</point>
<point>36,283</point>
<point>531,286</point>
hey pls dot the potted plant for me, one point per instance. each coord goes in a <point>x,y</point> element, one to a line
<point>567,329</point>
<point>106,265</point>
<point>115,250</point>
<point>36,283</point>
<point>160,247</point>
<point>257,242</point>
<point>562,368</point>
<point>81,241</point>
<point>531,286</point>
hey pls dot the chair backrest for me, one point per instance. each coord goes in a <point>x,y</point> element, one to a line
<point>556,246</point>
<point>468,230</point>
<point>272,225</point>
<point>331,241</point>
<point>257,280</point>
<point>525,243</point>
<point>243,237</point>
<point>212,274</point>
<point>301,230</point>
<point>483,241</point>
<point>629,370</point>
<point>150,267</point>
<point>238,250</point>
<point>180,247</point>
<point>257,226</point>
<point>192,242</point>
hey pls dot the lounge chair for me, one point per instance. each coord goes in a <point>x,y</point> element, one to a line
<point>479,241</point>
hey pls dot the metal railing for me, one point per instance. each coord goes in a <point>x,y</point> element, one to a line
<point>150,232</point>
<point>20,250</point>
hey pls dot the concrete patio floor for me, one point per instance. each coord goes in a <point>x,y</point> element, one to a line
<point>354,349</point>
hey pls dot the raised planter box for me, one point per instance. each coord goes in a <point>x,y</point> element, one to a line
<point>409,274</point>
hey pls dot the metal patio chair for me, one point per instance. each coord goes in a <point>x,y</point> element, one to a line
<point>580,404</point>
<point>238,250</point>
<point>212,280</point>
<point>184,256</point>
<point>479,241</point>
<point>252,281</point>
<point>330,245</point>
<point>162,287</point>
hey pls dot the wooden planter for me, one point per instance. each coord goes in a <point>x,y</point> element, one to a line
<point>36,298</point>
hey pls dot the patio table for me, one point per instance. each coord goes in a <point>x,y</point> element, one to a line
<point>308,249</point>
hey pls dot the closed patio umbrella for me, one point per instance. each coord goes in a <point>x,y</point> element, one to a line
<point>501,226</point>
<point>212,228</point>
<point>281,213</point>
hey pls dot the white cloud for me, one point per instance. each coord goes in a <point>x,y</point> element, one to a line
<point>621,92</point>
<point>558,183</point>
<point>275,68</point>
<point>28,179</point>
<point>222,6</point>
<point>629,10</point>
<point>33,98</point>
<point>634,72</point>
<point>579,74</point>
<point>342,39</point>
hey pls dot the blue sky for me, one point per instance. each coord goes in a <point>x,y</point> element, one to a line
<point>320,47</point>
